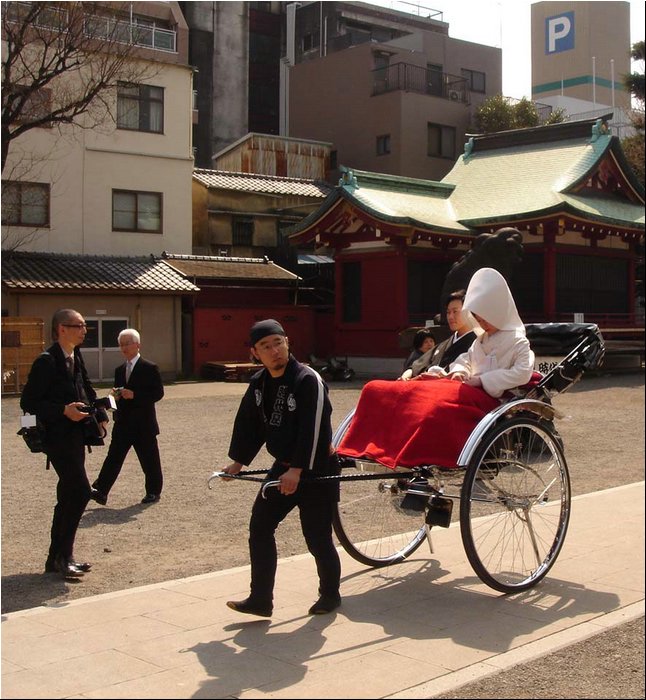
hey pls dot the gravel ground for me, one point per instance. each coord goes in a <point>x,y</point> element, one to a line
<point>193,530</point>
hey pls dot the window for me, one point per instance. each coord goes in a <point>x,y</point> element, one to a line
<point>475,79</point>
<point>25,204</point>
<point>136,211</point>
<point>351,276</point>
<point>381,61</point>
<point>425,280</point>
<point>441,141</point>
<point>140,107</point>
<point>383,144</point>
<point>43,16</point>
<point>380,73</point>
<point>434,79</point>
<point>242,230</point>
<point>310,41</point>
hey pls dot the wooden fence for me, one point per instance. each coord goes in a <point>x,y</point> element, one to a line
<point>22,342</point>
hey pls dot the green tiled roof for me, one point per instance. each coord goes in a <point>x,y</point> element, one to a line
<point>616,212</point>
<point>521,174</point>
<point>517,182</point>
<point>399,200</point>
<point>426,209</point>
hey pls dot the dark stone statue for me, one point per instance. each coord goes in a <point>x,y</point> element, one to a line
<point>501,250</point>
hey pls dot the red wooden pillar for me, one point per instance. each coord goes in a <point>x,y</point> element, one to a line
<point>549,270</point>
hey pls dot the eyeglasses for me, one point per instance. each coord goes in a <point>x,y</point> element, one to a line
<point>74,325</point>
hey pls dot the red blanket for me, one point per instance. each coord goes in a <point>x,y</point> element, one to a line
<point>417,422</point>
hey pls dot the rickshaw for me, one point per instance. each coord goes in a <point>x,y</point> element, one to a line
<point>511,480</point>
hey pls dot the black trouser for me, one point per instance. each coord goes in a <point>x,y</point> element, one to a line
<point>72,491</point>
<point>316,503</point>
<point>147,451</point>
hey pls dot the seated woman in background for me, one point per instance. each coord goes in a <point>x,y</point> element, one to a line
<point>423,342</point>
<point>458,342</point>
<point>428,420</point>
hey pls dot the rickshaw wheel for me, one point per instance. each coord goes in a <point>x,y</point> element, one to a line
<point>515,504</point>
<point>369,521</point>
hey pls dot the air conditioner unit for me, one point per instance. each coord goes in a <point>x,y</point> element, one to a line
<point>454,95</point>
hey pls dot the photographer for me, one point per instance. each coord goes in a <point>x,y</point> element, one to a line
<point>58,391</point>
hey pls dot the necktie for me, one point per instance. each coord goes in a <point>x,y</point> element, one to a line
<point>128,369</point>
<point>69,361</point>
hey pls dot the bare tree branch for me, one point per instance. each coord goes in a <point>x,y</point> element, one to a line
<point>61,64</point>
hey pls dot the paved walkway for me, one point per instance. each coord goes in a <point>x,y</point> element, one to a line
<point>410,631</point>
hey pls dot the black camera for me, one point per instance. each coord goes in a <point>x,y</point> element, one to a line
<point>93,432</point>
<point>106,404</point>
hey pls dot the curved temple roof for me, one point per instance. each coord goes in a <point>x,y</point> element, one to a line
<point>575,169</point>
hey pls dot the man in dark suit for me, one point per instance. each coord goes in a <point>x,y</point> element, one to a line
<point>446,352</point>
<point>135,424</point>
<point>57,387</point>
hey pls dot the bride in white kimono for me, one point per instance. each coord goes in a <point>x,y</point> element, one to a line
<point>427,420</point>
<point>500,358</point>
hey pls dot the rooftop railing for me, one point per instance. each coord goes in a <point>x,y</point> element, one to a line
<point>411,78</point>
<point>139,31</point>
<point>131,33</point>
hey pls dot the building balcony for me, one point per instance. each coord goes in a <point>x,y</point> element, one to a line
<point>411,78</point>
<point>139,34</point>
<point>136,30</point>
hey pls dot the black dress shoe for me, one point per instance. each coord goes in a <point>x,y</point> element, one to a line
<point>83,566</point>
<point>325,605</point>
<point>67,568</point>
<point>151,498</point>
<point>248,607</point>
<point>98,496</point>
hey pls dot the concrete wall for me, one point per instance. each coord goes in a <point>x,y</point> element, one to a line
<point>331,100</point>
<point>220,37</point>
<point>156,317</point>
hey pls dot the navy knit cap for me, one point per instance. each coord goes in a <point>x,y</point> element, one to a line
<point>262,329</point>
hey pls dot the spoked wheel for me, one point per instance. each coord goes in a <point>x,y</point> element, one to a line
<point>515,504</point>
<point>369,521</point>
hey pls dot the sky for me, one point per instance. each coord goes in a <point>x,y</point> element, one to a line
<point>503,24</point>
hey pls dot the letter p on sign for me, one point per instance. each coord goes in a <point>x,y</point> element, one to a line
<point>559,33</point>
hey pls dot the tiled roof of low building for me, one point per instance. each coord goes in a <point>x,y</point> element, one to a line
<point>49,272</point>
<point>221,267</point>
<point>253,182</point>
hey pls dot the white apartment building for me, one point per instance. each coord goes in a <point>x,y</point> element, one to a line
<point>122,187</point>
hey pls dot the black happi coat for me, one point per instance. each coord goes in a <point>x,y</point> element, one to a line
<point>296,428</point>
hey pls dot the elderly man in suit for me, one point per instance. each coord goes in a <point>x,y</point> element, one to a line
<point>139,387</point>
